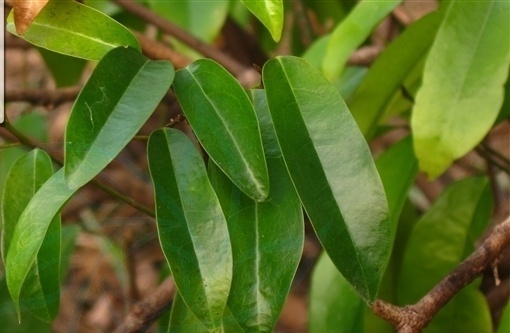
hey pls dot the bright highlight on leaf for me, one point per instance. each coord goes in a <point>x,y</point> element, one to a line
<point>270,13</point>
<point>191,226</point>
<point>224,121</point>
<point>71,28</point>
<point>25,11</point>
<point>332,169</point>
<point>119,97</point>
<point>462,90</point>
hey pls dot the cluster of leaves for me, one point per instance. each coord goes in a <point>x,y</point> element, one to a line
<point>232,231</point>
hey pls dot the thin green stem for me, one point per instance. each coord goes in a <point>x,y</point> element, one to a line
<point>11,145</point>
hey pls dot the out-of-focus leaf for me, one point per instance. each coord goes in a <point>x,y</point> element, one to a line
<point>71,28</point>
<point>332,169</point>
<point>443,237</point>
<point>352,32</point>
<point>462,90</point>
<point>66,71</point>
<point>504,324</point>
<point>223,119</point>
<point>203,19</point>
<point>69,235</point>
<point>35,222</point>
<point>25,12</point>
<point>267,242</point>
<point>40,292</point>
<point>385,77</point>
<point>334,307</point>
<point>504,113</point>
<point>192,228</point>
<point>118,98</point>
<point>270,13</point>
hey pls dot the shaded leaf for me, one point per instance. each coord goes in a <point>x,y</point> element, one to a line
<point>65,70</point>
<point>71,28</point>
<point>462,90</point>
<point>40,289</point>
<point>386,75</point>
<point>29,234</point>
<point>504,324</point>
<point>192,228</point>
<point>352,32</point>
<point>332,169</point>
<point>25,11</point>
<point>118,98</point>
<point>270,13</point>
<point>182,320</point>
<point>224,121</point>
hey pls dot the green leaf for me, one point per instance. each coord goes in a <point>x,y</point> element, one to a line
<point>335,307</point>
<point>504,324</point>
<point>444,236</point>
<point>66,71</point>
<point>352,32</point>
<point>462,90</point>
<point>182,320</point>
<point>332,169</point>
<point>386,75</point>
<point>267,242</point>
<point>192,228</point>
<point>224,121</point>
<point>71,28</point>
<point>29,234</point>
<point>40,291</point>
<point>270,13</point>
<point>203,19</point>
<point>119,97</point>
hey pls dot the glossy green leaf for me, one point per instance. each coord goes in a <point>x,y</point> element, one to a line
<point>182,320</point>
<point>71,28</point>
<point>334,307</point>
<point>504,324</point>
<point>204,19</point>
<point>192,228</point>
<point>444,236</point>
<point>118,98</point>
<point>386,75</point>
<point>352,32</point>
<point>66,71</point>
<point>224,121</point>
<point>40,291</point>
<point>462,90</point>
<point>29,234</point>
<point>267,242</point>
<point>270,13</point>
<point>332,169</point>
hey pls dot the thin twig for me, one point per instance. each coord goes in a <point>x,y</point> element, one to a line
<point>42,96</point>
<point>145,312</point>
<point>105,188</point>
<point>159,51</point>
<point>246,75</point>
<point>414,318</point>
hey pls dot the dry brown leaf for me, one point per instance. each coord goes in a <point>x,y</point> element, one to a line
<point>25,11</point>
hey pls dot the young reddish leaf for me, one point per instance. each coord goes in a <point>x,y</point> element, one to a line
<point>25,12</point>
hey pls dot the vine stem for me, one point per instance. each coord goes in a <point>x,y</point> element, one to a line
<point>414,318</point>
<point>103,187</point>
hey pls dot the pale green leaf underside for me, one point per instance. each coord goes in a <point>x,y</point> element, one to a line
<point>270,13</point>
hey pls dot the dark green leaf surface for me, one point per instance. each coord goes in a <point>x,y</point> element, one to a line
<point>332,169</point>
<point>462,90</point>
<point>270,13</point>
<point>444,236</point>
<point>40,292</point>
<point>65,70</point>
<point>352,32</point>
<point>34,223</point>
<point>71,28</point>
<point>225,123</point>
<point>203,19</point>
<point>386,75</point>
<point>119,97</point>
<point>182,320</point>
<point>504,325</point>
<point>191,226</point>
<point>267,242</point>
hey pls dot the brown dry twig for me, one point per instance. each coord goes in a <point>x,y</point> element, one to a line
<point>42,96</point>
<point>414,318</point>
<point>143,313</point>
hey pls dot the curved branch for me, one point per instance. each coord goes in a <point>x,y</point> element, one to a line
<point>414,318</point>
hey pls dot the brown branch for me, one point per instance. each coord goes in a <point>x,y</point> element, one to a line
<point>143,313</point>
<point>42,96</point>
<point>246,75</point>
<point>414,318</point>
<point>159,51</point>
